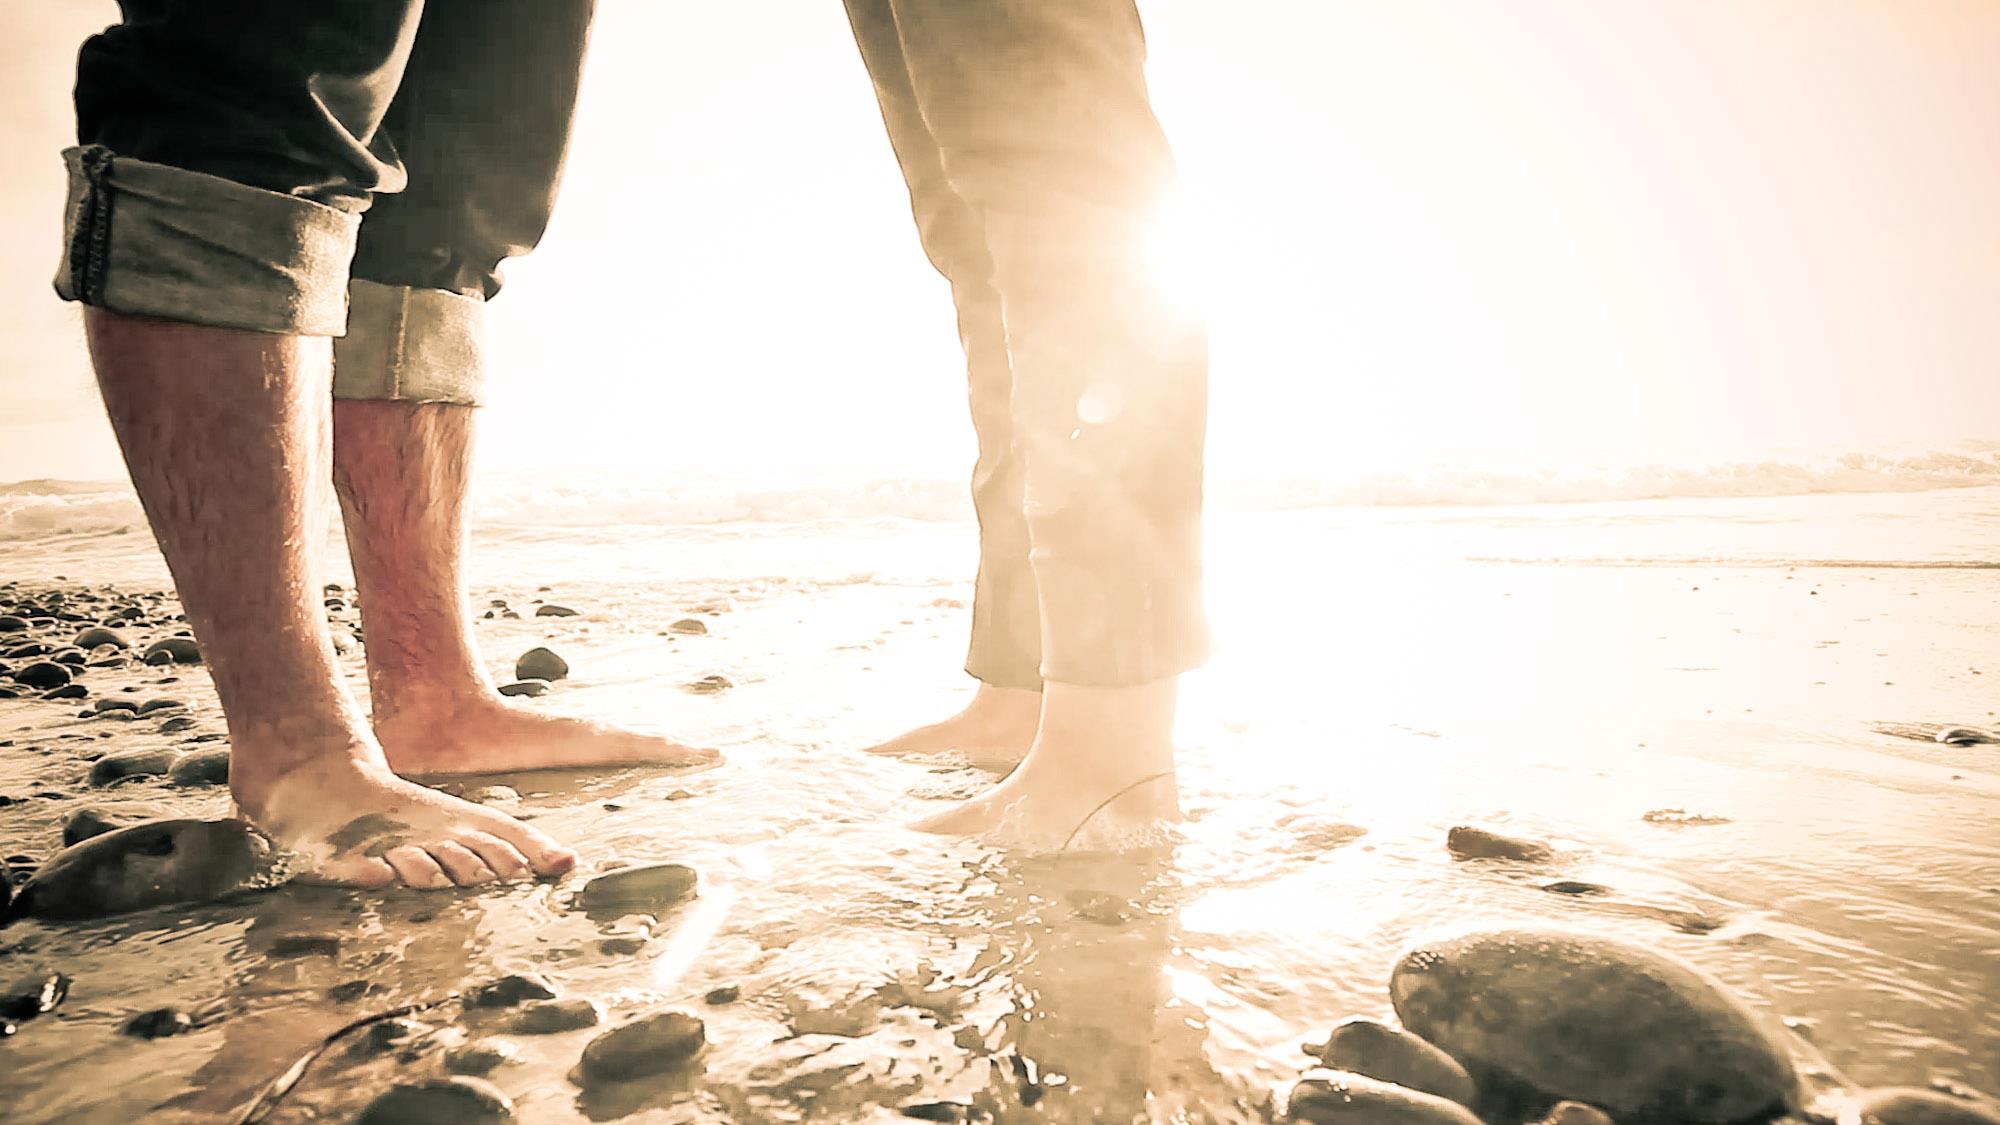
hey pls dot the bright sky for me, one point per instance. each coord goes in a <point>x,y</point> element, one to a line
<point>1497,232</point>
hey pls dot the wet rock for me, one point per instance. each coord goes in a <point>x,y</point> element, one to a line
<point>96,820</point>
<point>648,1045</point>
<point>649,887</point>
<point>1467,842</point>
<point>1099,907</point>
<point>13,624</point>
<point>145,865</point>
<point>172,650</point>
<point>964,1113</point>
<point>493,795</point>
<point>1965,736</point>
<point>383,1036</point>
<point>1900,1105</point>
<point>29,997</point>
<point>44,674</point>
<point>554,611</point>
<point>161,704</point>
<point>68,691</point>
<point>527,688</point>
<point>727,994</point>
<point>1575,1113</point>
<point>201,767</point>
<point>305,945</point>
<point>99,635</point>
<point>507,991</point>
<point>131,763</point>
<point>348,991</point>
<point>177,724</point>
<point>710,685</point>
<point>460,1100</point>
<point>548,1017</point>
<point>110,704</point>
<point>1338,1096</point>
<point>159,1023</point>
<point>540,664</point>
<point>1576,888</point>
<point>477,1058</point>
<point>1391,1054</point>
<point>1592,1019</point>
<point>689,627</point>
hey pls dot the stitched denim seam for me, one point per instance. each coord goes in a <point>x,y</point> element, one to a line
<point>90,247</point>
<point>399,346</point>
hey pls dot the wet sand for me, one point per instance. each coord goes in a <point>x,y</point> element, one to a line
<point>1370,693</point>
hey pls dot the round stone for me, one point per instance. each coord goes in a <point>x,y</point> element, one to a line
<point>540,664</point>
<point>1592,1019</point>
<point>44,674</point>
<point>550,1017</point>
<point>172,650</point>
<point>1374,1049</point>
<point>1339,1097</point>
<point>648,887</point>
<point>648,1045</point>
<point>459,1099</point>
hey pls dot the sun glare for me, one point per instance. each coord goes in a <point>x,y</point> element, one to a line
<point>1178,251</point>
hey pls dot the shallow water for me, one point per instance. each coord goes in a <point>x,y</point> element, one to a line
<point>1380,676</point>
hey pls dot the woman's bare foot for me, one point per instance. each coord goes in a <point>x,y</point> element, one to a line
<point>1100,772</point>
<point>479,732</point>
<point>337,804</point>
<point>993,732</point>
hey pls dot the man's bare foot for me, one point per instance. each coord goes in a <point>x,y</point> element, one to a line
<point>483,733</point>
<point>1100,773</point>
<point>355,822</point>
<point>993,732</point>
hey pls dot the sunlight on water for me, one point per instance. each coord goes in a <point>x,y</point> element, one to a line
<point>1702,738</point>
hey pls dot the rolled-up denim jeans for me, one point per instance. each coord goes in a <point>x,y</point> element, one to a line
<point>357,169</point>
<point>1035,168</point>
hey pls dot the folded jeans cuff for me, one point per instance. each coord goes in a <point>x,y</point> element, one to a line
<point>410,345</point>
<point>153,240</point>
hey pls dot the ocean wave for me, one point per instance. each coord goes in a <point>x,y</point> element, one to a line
<point>44,508</point>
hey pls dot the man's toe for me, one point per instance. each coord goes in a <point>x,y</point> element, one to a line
<point>461,863</point>
<point>504,859</point>
<point>417,868</point>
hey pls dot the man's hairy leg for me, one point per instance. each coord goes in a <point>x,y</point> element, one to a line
<point>226,434</point>
<point>403,471</point>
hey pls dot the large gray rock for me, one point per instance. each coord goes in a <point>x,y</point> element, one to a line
<point>550,1017</point>
<point>42,674</point>
<point>150,864</point>
<point>648,1045</point>
<point>131,763</point>
<point>646,887</point>
<point>1337,1097</point>
<point>1375,1049</point>
<point>172,650</point>
<point>1900,1105</point>
<point>201,767</point>
<point>1642,1035</point>
<point>540,664</point>
<point>98,635</point>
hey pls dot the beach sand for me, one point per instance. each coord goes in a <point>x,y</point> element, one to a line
<point>1721,710</point>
